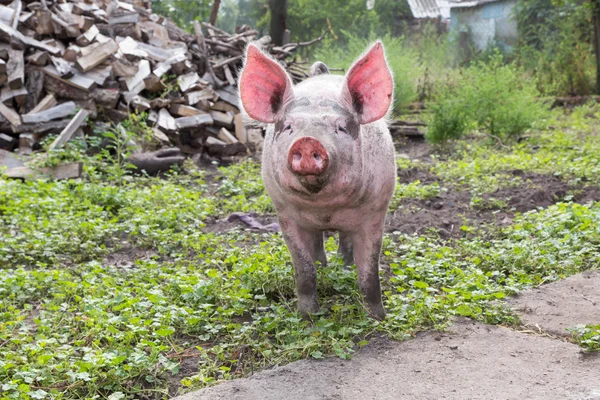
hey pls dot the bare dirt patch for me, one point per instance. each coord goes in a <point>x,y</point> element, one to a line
<point>453,209</point>
<point>470,361</point>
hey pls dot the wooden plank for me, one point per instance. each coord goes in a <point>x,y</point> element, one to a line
<point>229,94</point>
<point>18,7</point>
<point>101,54</point>
<point>70,129</point>
<point>195,121</point>
<point>142,72</point>
<point>47,102</point>
<point>10,115</point>
<point>225,107</point>
<point>45,127</point>
<point>57,112</point>
<point>228,75</point>
<point>78,81</point>
<point>63,171</point>
<point>15,69</point>
<point>35,83</point>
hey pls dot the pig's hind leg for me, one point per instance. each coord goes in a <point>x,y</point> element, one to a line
<point>345,249</point>
<point>367,248</point>
<point>303,245</point>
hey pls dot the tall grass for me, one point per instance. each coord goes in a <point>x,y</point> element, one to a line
<point>416,62</point>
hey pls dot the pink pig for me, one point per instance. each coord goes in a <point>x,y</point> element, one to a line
<point>328,163</point>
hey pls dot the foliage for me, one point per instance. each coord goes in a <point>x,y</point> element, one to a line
<point>105,289</point>
<point>556,42</point>
<point>183,12</point>
<point>588,336</point>
<point>489,96</point>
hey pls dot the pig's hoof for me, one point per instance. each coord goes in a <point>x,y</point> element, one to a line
<point>308,306</point>
<point>377,312</point>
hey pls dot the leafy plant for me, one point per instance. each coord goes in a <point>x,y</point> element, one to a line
<point>587,336</point>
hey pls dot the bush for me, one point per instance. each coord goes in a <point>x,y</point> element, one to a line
<point>490,96</point>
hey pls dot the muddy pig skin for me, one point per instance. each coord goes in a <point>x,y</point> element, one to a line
<point>328,163</point>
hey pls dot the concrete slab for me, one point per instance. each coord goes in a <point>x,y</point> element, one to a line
<point>470,361</point>
<point>561,305</point>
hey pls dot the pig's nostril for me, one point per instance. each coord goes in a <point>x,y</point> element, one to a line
<point>297,156</point>
<point>317,156</point>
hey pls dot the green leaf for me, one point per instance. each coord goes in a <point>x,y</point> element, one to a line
<point>464,310</point>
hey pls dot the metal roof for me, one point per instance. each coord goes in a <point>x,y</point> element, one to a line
<point>467,3</point>
<point>424,8</point>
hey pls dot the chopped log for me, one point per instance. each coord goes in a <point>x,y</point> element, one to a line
<point>62,67</point>
<point>18,40</point>
<point>63,171</point>
<point>8,160</point>
<point>165,66</point>
<point>165,121</point>
<point>228,75</point>
<point>158,135</point>
<point>70,30</point>
<point>6,15</point>
<point>225,107</point>
<point>2,66</point>
<point>35,86</point>
<point>195,97</point>
<point>153,84</point>
<point>222,119</point>
<point>229,95</point>
<point>47,102</point>
<point>7,95</point>
<point>40,58</point>
<point>15,69</point>
<point>226,136</point>
<point>125,18</point>
<point>78,81</point>
<point>105,97</point>
<point>189,81</point>
<point>101,54</point>
<point>6,143</point>
<point>218,148</point>
<point>26,143</point>
<point>60,111</point>
<point>10,114</point>
<point>100,74</point>
<point>140,104</point>
<point>193,122</point>
<point>46,127</point>
<point>132,31</point>
<point>182,110</point>
<point>87,38</point>
<point>44,24</point>
<point>240,129</point>
<point>143,71</point>
<point>123,68</point>
<point>70,130</point>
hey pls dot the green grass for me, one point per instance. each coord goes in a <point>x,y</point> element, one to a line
<point>76,323</point>
<point>588,337</point>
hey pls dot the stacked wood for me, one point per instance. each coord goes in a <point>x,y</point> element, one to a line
<point>64,63</point>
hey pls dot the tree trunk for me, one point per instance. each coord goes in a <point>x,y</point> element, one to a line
<point>278,17</point>
<point>596,19</point>
<point>214,12</point>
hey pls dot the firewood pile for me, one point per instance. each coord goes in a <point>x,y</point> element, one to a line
<point>64,63</point>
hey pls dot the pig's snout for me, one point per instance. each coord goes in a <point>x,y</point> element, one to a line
<point>307,156</point>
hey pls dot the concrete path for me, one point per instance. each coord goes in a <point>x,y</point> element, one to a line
<point>469,361</point>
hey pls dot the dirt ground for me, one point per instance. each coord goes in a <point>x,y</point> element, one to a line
<point>469,361</point>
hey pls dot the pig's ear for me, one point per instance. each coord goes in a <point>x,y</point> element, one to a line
<point>265,87</point>
<point>369,86</point>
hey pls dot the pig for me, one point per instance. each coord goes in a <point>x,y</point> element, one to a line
<point>328,163</point>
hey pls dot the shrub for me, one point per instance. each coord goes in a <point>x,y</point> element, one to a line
<point>490,96</point>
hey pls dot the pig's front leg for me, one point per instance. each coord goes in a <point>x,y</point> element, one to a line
<point>367,248</point>
<point>304,245</point>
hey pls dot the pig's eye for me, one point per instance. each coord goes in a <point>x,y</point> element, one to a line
<point>288,128</point>
<point>342,129</point>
